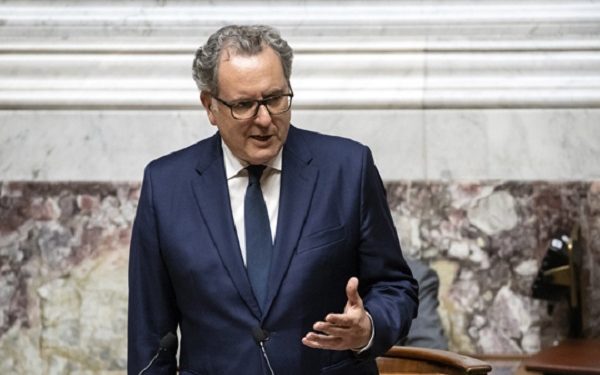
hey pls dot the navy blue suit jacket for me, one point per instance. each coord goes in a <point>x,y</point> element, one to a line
<point>186,267</point>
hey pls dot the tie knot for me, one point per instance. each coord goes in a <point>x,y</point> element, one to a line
<point>254,173</point>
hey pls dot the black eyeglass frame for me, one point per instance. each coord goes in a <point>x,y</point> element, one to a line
<point>259,103</point>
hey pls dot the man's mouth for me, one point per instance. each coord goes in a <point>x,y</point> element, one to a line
<point>261,138</point>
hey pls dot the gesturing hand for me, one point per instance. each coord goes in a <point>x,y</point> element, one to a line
<point>349,330</point>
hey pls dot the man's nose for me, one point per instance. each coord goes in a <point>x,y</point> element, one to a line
<point>263,117</point>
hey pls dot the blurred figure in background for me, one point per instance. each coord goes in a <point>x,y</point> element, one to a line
<point>426,330</point>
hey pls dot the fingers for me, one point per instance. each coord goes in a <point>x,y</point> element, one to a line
<point>328,336</point>
<point>348,319</point>
<point>349,330</point>
<point>332,329</point>
<point>352,292</point>
<point>337,337</point>
<point>320,341</point>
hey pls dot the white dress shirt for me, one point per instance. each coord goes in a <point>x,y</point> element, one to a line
<point>237,182</point>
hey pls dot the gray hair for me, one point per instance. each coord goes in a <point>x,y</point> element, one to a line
<point>246,40</point>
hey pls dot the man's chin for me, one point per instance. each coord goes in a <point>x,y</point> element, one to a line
<point>262,156</point>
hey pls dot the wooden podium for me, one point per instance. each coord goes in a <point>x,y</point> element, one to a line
<point>571,356</point>
<point>405,360</point>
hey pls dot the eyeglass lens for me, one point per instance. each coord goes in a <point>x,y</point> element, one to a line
<point>275,105</point>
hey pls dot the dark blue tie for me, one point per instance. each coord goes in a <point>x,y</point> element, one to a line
<point>259,245</point>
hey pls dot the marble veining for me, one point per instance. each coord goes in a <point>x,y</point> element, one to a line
<point>558,144</point>
<point>486,240</point>
<point>64,250</point>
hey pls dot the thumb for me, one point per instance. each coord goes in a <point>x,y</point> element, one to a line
<point>352,292</point>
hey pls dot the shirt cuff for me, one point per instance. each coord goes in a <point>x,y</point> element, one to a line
<point>370,343</point>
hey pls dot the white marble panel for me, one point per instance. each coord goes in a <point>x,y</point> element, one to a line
<point>92,145</point>
<point>413,145</point>
<point>116,145</point>
<point>449,89</point>
<point>561,144</point>
<point>456,145</point>
<point>395,137</point>
<point>374,80</point>
<point>171,18</point>
<point>517,144</point>
<point>349,55</point>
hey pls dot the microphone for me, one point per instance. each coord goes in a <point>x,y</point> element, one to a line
<point>166,344</point>
<point>260,336</point>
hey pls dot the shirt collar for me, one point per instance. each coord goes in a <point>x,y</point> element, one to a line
<point>234,165</point>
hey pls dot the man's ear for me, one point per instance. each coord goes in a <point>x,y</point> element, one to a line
<point>207,103</point>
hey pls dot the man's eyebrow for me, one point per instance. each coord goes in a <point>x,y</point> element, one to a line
<point>274,92</point>
<point>241,98</point>
<point>268,94</point>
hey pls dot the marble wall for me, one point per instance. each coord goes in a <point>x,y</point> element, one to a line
<point>63,291</point>
<point>482,117</point>
<point>64,251</point>
<point>443,144</point>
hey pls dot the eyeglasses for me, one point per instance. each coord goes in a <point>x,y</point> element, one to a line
<point>247,109</point>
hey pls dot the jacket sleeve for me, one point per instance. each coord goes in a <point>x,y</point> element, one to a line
<point>152,309</point>
<point>389,291</point>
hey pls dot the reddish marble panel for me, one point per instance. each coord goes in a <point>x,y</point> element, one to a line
<point>64,247</point>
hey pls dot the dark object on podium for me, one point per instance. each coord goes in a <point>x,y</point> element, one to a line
<point>569,357</point>
<point>558,278</point>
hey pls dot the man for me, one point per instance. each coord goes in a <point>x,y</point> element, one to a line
<point>270,247</point>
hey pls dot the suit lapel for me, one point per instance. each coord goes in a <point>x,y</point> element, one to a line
<point>298,181</point>
<point>211,193</point>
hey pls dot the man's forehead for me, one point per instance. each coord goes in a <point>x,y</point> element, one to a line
<point>244,66</point>
<point>227,53</point>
